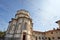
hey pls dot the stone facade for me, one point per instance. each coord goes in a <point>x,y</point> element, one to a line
<point>21,28</point>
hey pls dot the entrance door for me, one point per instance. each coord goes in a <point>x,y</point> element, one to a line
<point>24,36</point>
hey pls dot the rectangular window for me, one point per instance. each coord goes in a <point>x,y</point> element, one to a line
<point>45,37</point>
<point>58,37</point>
<point>52,37</point>
<point>42,37</point>
<point>51,32</point>
<point>39,38</point>
<point>24,26</point>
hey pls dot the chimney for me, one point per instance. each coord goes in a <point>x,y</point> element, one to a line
<point>53,28</point>
<point>58,22</point>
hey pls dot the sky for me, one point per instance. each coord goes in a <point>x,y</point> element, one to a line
<point>44,13</point>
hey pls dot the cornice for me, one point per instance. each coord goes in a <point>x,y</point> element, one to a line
<point>25,17</point>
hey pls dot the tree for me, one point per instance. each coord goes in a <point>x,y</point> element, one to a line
<point>2,34</point>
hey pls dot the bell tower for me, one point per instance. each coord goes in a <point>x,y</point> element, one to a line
<point>23,26</point>
<point>24,23</point>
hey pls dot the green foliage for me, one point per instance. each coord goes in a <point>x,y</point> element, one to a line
<point>2,34</point>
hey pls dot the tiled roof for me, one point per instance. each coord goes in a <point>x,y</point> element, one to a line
<point>47,31</point>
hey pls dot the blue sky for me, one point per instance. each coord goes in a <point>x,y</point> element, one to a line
<point>43,12</point>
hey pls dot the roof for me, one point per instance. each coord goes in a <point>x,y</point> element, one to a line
<point>47,31</point>
<point>53,30</point>
<point>38,32</point>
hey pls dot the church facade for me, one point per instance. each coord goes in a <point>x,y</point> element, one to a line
<point>21,28</point>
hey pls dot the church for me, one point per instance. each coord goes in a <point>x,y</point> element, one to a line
<point>21,28</point>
